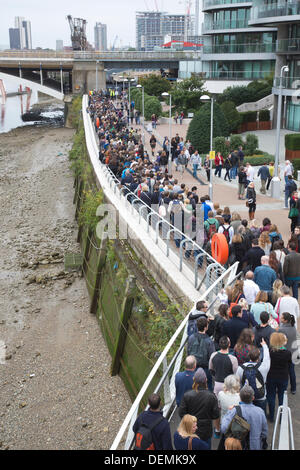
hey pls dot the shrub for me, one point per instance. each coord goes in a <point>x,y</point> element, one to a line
<point>249,116</point>
<point>152,106</point>
<point>259,160</point>
<point>237,94</point>
<point>251,144</point>
<point>296,165</point>
<point>221,145</point>
<point>292,141</point>
<point>233,116</point>
<point>236,141</point>
<point>264,115</point>
<point>199,128</point>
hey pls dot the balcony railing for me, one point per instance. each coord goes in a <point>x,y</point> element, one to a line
<point>228,75</point>
<point>288,46</point>
<point>239,48</point>
<point>275,9</point>
<point>211,3</point>
<point>291,83</point>
<point>233,24</point>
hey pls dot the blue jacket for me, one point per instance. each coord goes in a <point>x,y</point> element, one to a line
<point>183,383</point>
<point>264,277</point>
<point>255,416</point>
<point>264,173</point>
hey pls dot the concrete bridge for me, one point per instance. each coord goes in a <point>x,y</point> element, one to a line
<point>82,71</point>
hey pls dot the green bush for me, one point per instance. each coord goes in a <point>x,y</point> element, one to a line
<point>264,115</point>
<point>221,144</point>
<point>248,116</point>
<point>152,106</point>
<point>232,115</point>
<point>155,85</point>
<point>236,141</point>
<point>251,144</point>
<point>259,160</point>
<point>199,128</point>
<point>292,141</point>
<point>296,165</point>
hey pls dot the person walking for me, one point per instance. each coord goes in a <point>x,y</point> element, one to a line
<point>201,347</point>
<point>250,288</point>
<point>233,327</point>
<point>264,275</point>
<point>184,380</point>
<point>289,189</point>
<point>291,269</point>
<point>271,174</point>
<point>287,303</point>
<point>160,429</point>
<point>153,144</point>
<point>254,415</point>
<point>244,345</point>
<point>263,331</point>
<point>264,174</point>
<point>251,200</point>
<point>278,376</point>
<point>262,305</point>
<point>185,438</point>
<point>227,166</point>
<point>196,162</point>
<point>203,404</point>
<point>294,210</point>
<point>287,327</point>
<point>219,162</point>
<point>230,395</point>
<point>242,182</point>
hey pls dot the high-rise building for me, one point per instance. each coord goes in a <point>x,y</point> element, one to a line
<point>20,35</point>
<point>284,15</point>
<point>100,33</point>
<point>153,27</point>
<point>234,48</point>
<point>59,45</point>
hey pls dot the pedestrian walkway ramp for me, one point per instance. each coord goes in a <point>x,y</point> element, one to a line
<point>161,379</point>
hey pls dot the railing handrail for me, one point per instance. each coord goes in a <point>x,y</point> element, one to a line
<point>160,360</point>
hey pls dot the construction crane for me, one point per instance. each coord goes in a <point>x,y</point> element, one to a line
<point>114,43</point>
<point>78,33</point>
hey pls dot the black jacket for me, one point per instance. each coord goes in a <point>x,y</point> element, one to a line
<point>253,257</point>
<point>233,328</point>
<point>262,332</point>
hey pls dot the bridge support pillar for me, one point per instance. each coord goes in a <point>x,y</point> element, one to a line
<point>86,75</point>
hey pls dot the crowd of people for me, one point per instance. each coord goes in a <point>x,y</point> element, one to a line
<point>239,360</point>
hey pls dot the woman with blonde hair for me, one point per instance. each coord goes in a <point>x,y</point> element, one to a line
<point>278,376</point>
<point>233,444</point>
<point>265,243</point>
<point>262,305</point>
<point>276,292</point>
<point>185,438</point>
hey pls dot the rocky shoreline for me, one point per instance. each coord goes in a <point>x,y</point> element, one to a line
<point>55,385</point>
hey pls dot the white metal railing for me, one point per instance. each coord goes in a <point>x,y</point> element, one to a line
<point>265,103</point>
<point>168,384</point>
<point>283,435</point>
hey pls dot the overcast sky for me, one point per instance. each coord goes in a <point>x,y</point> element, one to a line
<point>49,23</point>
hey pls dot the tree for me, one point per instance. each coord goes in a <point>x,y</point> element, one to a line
<point>251,144</point>
<point>155,85</point>
<point>199,128</point>
<point>186,94</point>
<point>235,142</point>
<point>152,106</point>
<point>233,116</point>
<point>221,145</point>
<point>237,94</point>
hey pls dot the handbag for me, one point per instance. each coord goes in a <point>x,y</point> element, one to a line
<point>294,212</point>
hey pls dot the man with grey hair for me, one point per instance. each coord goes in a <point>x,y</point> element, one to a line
<point>254,415</point>
<point>264,275</point>
<point>184,380</point>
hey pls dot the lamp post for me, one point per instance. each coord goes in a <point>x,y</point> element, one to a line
<point>207,99</point>
<point>97,62</point>
<point>143,112</point>
<point>165,94</point>
<point>275,190</point>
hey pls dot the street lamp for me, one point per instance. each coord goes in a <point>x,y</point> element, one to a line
<point>97,62</point>
<point>275,191</point>
<point>143,111</point>
<point>207,99</point>
<point>165,94</point>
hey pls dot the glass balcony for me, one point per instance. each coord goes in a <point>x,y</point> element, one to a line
<point>233,24</point>
<point>211,3</point>
<point>275,9</point>
<point>291,83</point>
<point>288,46</point>
<point>239,48</point>
<point>229,75</point>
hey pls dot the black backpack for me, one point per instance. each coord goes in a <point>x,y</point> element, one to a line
<point>198,348</point>
<point>143,436</point>
<point>255,380</point>
<point>226,233</point>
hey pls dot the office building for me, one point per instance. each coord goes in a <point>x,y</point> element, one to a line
<point>233,47</point>
<point>284,15</point>
<point>100,34</point>
<point>59,45</point>
<point>153,27</point>
<point>20,35</point>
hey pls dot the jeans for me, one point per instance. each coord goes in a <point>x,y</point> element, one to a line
<point>286,200</point>
<point>294,284</point>
<point>233,173</point>
<point>275,387</point>
<point>195,169</point>
<point>218,171</point>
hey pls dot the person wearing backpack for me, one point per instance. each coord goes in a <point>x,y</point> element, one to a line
<point>254,433</point>
<point>151,429</point>
<point>201,346</point>
<point>211,226</point>
<point>227,229</point>
<point>200,312</point>
<point>255,372</point>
